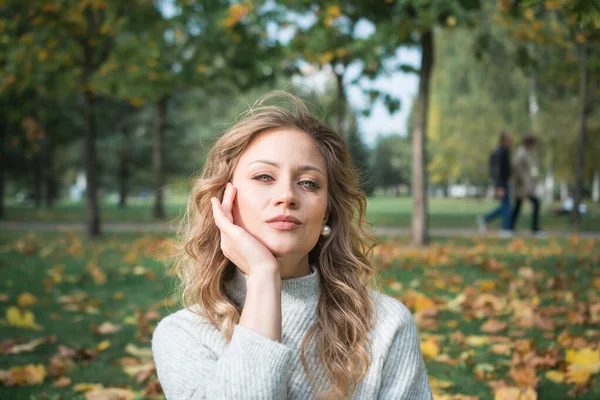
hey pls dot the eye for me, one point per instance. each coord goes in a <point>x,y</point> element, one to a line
<point>310,184</point>
<point>262,178</point>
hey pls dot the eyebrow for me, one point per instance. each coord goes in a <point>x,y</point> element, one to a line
<point>300,168</point>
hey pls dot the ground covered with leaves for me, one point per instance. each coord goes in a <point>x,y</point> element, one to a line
<point>516,319</point>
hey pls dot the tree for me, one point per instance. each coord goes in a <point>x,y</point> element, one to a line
<point>83,35</point>
<point>215,46</point>
<point>415,22</point>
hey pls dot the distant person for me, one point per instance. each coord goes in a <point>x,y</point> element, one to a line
<point>500,172</point>
<point>525,172</point>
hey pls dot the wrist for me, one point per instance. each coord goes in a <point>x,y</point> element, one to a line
<point>264,277</point>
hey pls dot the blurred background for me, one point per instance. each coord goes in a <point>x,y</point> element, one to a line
<point>109,107</point>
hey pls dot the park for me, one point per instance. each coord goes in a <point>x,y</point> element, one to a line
<point>108,110</point>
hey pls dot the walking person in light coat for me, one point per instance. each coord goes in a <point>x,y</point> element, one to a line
<point>525,172</point>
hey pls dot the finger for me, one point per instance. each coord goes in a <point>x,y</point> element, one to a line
<point>228,207</point>
<point>218,213</point>
<point>221,220</point>
<point>227,203</point>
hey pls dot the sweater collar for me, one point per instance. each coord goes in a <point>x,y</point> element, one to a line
<point>295,292</point>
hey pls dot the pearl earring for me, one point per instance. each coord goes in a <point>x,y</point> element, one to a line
<point>326,231</point>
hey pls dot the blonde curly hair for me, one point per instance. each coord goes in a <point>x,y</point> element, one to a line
<point>345,310</point>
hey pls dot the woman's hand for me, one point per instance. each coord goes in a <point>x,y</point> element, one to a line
<point>239,246</point>
<point>262,306</point>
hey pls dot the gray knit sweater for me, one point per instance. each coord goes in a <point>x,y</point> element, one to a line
<point>195,362</point>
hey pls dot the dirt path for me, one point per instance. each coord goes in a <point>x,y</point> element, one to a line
<point>171,228</point>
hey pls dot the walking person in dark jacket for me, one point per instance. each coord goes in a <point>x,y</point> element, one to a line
<point>500,167</point>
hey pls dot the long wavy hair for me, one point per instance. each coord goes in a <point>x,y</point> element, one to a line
<point>345,311</point>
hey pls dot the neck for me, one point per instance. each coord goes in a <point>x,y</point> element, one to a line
<point>291,266</point>
<point>296,293</point>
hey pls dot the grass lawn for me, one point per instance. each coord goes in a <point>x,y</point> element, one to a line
<point>382,211</point>
<point>484,308</point>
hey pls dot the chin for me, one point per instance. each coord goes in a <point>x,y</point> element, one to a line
<point>280,248</point>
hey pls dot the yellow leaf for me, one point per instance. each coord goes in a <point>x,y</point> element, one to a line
<point>585,356</point>
<point>86,387</point>
<point>477,341</point>
<point>26,299</point>
<point>110,393</point>
<point>28,375</point>
<point>24,319</point>
<point>514,393</point>
<point>597,283</point>
<point>555,376</point>
<point>583,364</point>
<point>140,352</point>
<point>423,303</point>
<point>430,349</point>
<point>579,377</point>
<point>105,344</point>
<point>97,274</point>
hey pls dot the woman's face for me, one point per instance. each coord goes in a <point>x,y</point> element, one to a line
<point>281,173</point>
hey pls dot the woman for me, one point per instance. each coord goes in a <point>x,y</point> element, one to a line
<point>525,168</point>
<point>275,276</point>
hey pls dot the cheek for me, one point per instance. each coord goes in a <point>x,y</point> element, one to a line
<point>245,209</point>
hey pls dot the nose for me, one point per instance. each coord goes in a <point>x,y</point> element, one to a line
<point>285,194</point>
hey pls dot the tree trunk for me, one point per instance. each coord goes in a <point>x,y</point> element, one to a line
<point>123,175</point>
<point>596,187</point>
<point>549,184</point>
<point>92,209</point>
<point>3,137</point>
<point>583,116</point>
<point>49,174</point>
<point>37,179</point>
<point>124,171</point>
<point>419,164</point>
<point>158,211</point>
<point>340,104</point>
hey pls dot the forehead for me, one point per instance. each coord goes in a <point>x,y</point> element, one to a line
<point>284,145</point>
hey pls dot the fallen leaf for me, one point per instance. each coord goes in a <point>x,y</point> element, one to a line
<point>21,319</point>
<point>582,365</point>
<point>96,273</point>
<point>555,376</point>
<point>514,393</point>
<point>477,341</point>
<point>430,349</point>
<point>26,347</point>
<point>493,326</point>
<point>105,344</point>
<point>26,299</point>
<point>62,382</point>
<point>141,352</point>
<point>110,394</point>
<point>25,375</point>
<point>106,328</point>
<point>501,348</point>
<point>86,387</point>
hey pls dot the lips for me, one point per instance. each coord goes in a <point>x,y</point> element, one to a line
<point>285,218</point>
<point>284,222</point>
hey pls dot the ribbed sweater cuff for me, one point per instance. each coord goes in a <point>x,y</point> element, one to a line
<point>252,343</point>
